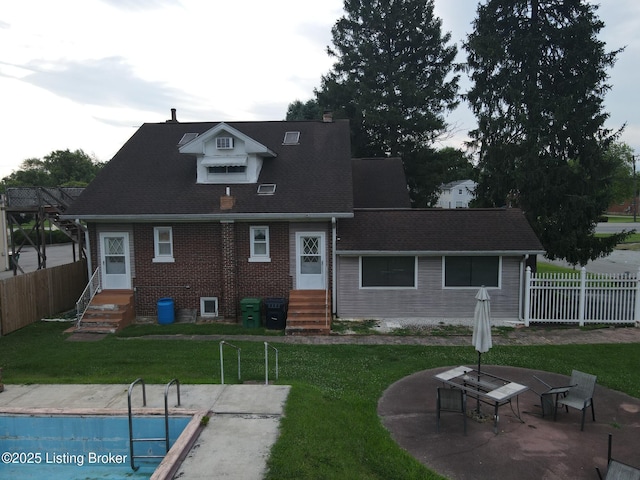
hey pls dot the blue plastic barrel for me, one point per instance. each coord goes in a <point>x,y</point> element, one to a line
<point>166,311</point>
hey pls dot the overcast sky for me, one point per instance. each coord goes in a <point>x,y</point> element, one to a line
<point>85,74</point>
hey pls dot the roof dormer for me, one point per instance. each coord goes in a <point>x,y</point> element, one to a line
<point>226,155</point>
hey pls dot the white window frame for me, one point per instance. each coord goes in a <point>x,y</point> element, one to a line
<point>259,257</point>
<point>224,143</point>
<point>162,257</point>
<point>204,314</point>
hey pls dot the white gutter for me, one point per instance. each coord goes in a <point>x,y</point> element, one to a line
<point>449,253</point>
<point>183,218</point>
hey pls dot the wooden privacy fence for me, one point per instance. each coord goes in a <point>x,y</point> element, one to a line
<point>25,299</point>
<point>581,298</point>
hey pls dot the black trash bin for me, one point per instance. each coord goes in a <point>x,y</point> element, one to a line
<point>275,313</point>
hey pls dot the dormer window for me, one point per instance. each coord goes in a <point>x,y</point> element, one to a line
<point>224,143</point>
<point>291,138</point>
<point>224,169</point>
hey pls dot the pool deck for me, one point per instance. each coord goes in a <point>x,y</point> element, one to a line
<point>243,421</point>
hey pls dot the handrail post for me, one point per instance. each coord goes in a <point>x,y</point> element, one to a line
<point>166,409</point>
<point>266,362</point>
<point>144,404</point>
<point>222,343</point>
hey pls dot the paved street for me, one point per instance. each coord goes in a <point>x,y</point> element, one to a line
<point>28,261</point>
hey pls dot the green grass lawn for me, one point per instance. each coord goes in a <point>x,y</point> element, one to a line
<point>331,429</point>
<point>620,218</point>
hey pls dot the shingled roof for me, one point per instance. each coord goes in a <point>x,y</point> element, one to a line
<point>149,179</point>
<point>438,231</point>
<point>380,183</point>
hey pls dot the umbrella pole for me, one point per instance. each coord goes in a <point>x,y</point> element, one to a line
<point>478,386</point>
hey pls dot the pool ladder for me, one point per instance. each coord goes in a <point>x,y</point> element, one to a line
<point>166,420</point>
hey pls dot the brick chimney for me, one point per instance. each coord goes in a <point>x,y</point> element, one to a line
<point>327,116</point>
<point>227,202</point>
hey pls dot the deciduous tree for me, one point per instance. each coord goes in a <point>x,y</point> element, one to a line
<point>61,168</point>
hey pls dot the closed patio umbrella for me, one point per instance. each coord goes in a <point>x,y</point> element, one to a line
<point>482,327</point>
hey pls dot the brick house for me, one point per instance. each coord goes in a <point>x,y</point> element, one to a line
<point>209,213</point>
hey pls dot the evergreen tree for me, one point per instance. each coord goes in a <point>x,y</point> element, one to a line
<point>539,79</point>
<point>310,110</point>
<point>392,76</point>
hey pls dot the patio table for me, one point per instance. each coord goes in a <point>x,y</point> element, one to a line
<point>486,388</point>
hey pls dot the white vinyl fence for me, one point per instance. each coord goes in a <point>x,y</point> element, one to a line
<point>581,298</point>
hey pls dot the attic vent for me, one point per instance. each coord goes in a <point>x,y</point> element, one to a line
<point>224,143</point>
<point>291,138</point>
<point>187,137</point>
<point>266,189</point>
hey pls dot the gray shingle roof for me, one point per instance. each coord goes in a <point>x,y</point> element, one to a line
<point>379,183</point>
<point>149,177</point>
<point>438,230</point>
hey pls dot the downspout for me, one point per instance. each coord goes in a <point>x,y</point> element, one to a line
<point>523,288</point>
<point>334,238</point>
<point>87,247</point>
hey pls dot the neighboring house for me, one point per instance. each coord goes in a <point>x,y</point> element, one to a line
<point>210,213</point>
<point>456,194</point>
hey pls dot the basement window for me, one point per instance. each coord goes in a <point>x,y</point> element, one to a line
<point>209,307</point>
<point>291,138</point>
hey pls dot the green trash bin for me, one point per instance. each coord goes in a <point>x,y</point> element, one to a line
<point>250,308</point>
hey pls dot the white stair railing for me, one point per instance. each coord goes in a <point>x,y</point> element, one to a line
<point>94,286</point>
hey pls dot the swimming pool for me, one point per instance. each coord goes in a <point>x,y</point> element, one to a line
<point>81,447</point>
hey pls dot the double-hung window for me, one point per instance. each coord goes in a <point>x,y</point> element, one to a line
<point>163,244</point>
<point>259,241</point>
<point>467,271</point>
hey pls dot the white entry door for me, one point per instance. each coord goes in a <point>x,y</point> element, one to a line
<point>310,261</point>
<point>115,264</point>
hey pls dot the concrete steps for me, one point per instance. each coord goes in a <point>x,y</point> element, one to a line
<point>109,312</point>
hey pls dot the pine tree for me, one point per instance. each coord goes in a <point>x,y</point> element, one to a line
<point>393,75</point>
<point>539,78</point>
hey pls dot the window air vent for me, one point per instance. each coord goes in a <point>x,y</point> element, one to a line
<point>291,138</point>
<point>224,143</point>
<point>267,189</point>
<point>187,137</point>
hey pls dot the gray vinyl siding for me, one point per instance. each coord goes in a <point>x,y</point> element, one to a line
<point>429,299</point>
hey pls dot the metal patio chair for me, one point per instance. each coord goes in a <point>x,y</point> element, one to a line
<point>617,470</point>
<point>579,395</point>
<point>451,400</point>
